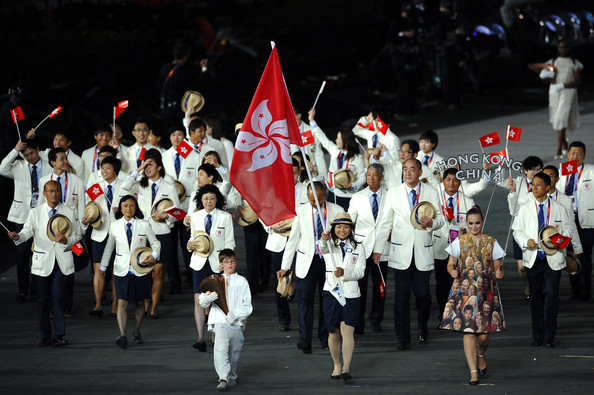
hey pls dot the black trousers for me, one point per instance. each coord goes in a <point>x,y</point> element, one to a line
<point>376,315</point>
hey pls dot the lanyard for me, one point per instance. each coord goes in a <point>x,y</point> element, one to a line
<point>94,167</point>
<point>65,185</point>
<point>457,205</point>
<point>339,157</point>
<point>528,185</point>
<point>548,212</point>
<point>431,159</point>
<point>575,184</point>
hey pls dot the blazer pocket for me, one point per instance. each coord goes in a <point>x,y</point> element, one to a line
<point>220,232</point>
<point>301,252</point>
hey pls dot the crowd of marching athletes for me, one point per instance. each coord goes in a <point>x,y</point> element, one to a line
<point>378,202</point>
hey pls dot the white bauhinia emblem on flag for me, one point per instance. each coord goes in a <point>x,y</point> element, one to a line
<point>184,150</point>
<point>488,140</point>
<point>266,139</point>
<point>96,191</point>
<point>569,168</point>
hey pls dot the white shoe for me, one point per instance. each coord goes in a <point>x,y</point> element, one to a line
<point>222,386</point>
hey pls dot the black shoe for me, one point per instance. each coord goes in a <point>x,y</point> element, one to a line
<point>175,290</point>
<point>404,346</point>
<point>375,328</point>
<point>337,377</point>
<point>122,342</point>
<point>550,343</point>
<point>324,345</point>
<point>200,346</point>
<point>423,336</point>
<point>154,316</point>
<point>346,377</point>
<point>21,298</point>
<point>482,372</point>
<point>96,313</point>
<point>301,344</point>
<point>537,343</point>
<point>112,314</point>
<point>44,342</point>
<point>284,328</point>
<point>138,339</point>
<point>59,342</point>
<point>526,298</point>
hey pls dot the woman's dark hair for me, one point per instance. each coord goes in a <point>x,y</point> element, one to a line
<point>155,155</point>
<point>349,143</point>
<point>214,122</point>
<point>215,153</point>
<point>211,171</point>
<point>351,237</point>
<point>475,210</point>
<point>137,214</point>
<point>209,189</point>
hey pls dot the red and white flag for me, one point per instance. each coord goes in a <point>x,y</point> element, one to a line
<point>94,191</point>
<point>382,126</point>
<point>513,133</point>
<point>369,126</point>
<point>382,286</point>
<point>141,153</point>
<point>119,109</point>
<point>307,138</point>
<point>17,114</point>
<point>490,139</point>
<point>184,149</point>
<point>78,248</point>
<point>501,154</point>
<point>176,213</point>
<point>262,169</point>
<point>331,180</point>
<point>560,241</point>
<point>56,112</point>
<point>569,168</point>
<point>447,212</point>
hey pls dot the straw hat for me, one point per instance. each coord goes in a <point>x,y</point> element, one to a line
<point>161,205</point>
<point>286,286</point>
<point>238,128</point>
<point>138,260</point>
<point>58,223</point>
<point>192,99</point>
<point>547,245</point>
<point>343,177</point>
<point>205,245</point>
<point>216,283</point>
<point>93,211</point>
<point>420,210</point>
<point>573,263</point>
<point>247,215</point>
<point>342,218</point>
<point>181,191</point>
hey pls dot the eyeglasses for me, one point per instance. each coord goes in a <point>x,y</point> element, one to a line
<point>141,129</point>
<point>230,261</point>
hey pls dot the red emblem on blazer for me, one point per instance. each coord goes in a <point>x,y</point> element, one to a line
<point>141,239</point>
<point>219,232</point>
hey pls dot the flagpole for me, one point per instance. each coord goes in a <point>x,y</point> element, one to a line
<point>18,130</point>
<point>514,214</point>
<point>440,180</point>
<point>319,93</point>
<point>4,227</point>
<point>489,205</point>
<point>44,119</point>
<point>113,126</point>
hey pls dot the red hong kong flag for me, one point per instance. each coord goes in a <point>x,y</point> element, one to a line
<point>560,241</point>
<point>141,153</point>
<point>56,112</point>
<point>94,191</point>
<point>17,114</point>
<point>184,149</point>
<point>382,126</point>
<point>513,133</point>
<point>331,180</point>
<point>262,169</point>
<point>307,138</point>
<point>569,168</point>
<point>119,109</point>
<point>369,126</point>
<point>176,213</point>
<point>447,212</point>
<point>78,248</point>
<point>382,287</point>
<point>501,154</point>
<point>489,139</point>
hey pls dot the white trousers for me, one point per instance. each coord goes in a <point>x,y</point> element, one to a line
<point>227,349</point>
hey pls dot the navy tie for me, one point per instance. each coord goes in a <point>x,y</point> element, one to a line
<point>340,160</point>
<point>61,189</point>
<point>541,225</point>
<point>208,224</point>
<point>97,164</point>
<point>413,198</point>
<point>154,187</point>
<point>53,212</point>
<point>129,233</point>
<point>451,204</point>
<point>319,227</point>
<point>177,164</point>
<point>342,249</point>
<point>529,186</point>
<point>375,140</point>
<point>109,196</point>
<point>569,186</point>
<point>34,181</point>
<point>426,160</point>
<point>374,206</point>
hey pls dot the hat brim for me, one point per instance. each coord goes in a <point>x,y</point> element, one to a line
<point>50,233</point>
<point>190,97</point>
<point>414,215</point>
<point>545,243</point>
<point>138,266</point>
<point>99,220</point>
<point>157,203</point>
<point>202,234</point>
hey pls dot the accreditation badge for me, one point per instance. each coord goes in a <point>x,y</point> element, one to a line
<point>454,232</point>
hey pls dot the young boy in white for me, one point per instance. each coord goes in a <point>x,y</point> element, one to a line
<point>228,328</point>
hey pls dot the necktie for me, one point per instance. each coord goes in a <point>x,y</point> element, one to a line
<point>109,196</point>
<point>340,160</point>
<point>451,204</point>
<point>197,147</point>
<point>374,206</point>
<point>413,199</point>
<point>375,140</point>
<point>208,223</point>
<point>154,187</point>
<point>570,184</point>
<point>342,249</point>
<point>129,233</point>
<point>177,164</point>
<point>34,181</point>
<point>61,189</point>
<point>53,212</point>
<point>138,162</point>
<point>529,187</point>
<point>97,163</point>
<point>319,228</point>
<point>426,160</point>
<point>541,225</point>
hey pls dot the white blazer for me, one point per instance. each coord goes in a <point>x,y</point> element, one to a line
<point>75,194</point>
<point>129,155</point>
<point>275,241</point>
<point>585,196</point>
<point>46,251</point>
<point>302,239</point>
<point>365,225</point>
<point>389,140</point>
<point>18,170</point>
<point>525,227</point>
<point>407,239</point>
<point>118,240</point>
<point>353,264</point>
<point>440,236</point>
<point>188,172</point>
<point>76,163</point>
<point>436,159</point>
<point>221,233</point>
<point>107,216</point>
<point>145,200</point>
